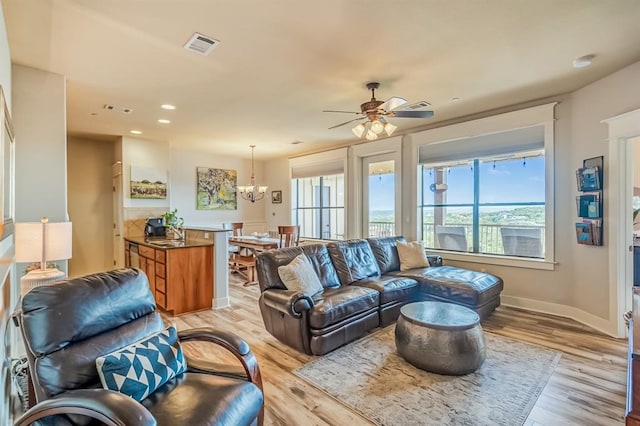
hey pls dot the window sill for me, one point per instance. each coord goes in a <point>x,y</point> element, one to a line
<point>488,259</point>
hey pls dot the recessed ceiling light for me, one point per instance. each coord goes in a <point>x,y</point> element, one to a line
<point>583,61</point>
<point>455,99</point>
<point>164,121</point>
<point>296,142</point>
<point>168,106</point>
<point>135,132</point>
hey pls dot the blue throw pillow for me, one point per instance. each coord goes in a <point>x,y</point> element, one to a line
<point>142,367</point>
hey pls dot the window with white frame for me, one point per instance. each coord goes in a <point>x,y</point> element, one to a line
<point>318,206</point>
<point>490,205</point>
<point>318,194</point>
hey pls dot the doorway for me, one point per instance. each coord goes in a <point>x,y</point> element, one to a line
<point>624,130</point>
<point>381,196</point>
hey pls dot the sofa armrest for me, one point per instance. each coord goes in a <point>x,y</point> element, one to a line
<point>109,407</point>
<point>434,260</point>
<point>288,302</point>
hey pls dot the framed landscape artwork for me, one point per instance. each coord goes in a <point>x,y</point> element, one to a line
<point>148,183</point>
<point>216,189</point>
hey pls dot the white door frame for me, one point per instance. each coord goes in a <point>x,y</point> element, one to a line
<point>355,193</point>
<point>366,161</point>
<point>622,128</point>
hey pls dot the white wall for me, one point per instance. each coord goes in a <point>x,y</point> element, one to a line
<point>608,97</point>
<point>183,190</point>
<point>143,153</point>
<point>39,104</point>
<point>278,214</point>
<point>90,205</point>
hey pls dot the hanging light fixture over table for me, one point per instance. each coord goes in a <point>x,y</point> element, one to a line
<point>252,192</point>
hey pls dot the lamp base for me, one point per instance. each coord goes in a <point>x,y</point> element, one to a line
<point>39,277</point>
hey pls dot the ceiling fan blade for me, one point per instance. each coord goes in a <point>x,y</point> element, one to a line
<point>346,112</point>
<point>411,114</point>
<point>392,103</point>
<point>346,122</point>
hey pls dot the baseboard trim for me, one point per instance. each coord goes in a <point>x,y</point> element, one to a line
<point>221,302</point>
<point>601,324</point>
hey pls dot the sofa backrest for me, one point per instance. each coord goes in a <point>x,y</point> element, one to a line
<point>353,259</point>
<point>66,326</point>
<point>385,251</point>
<point>267,264</point>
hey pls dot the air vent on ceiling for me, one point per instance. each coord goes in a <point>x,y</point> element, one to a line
<point>201,44</point>
<point>118,108</point>
<point>417,105</point>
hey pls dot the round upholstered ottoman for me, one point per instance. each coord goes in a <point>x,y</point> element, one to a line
<point>440,337</point>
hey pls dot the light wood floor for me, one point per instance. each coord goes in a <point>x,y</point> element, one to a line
<point>587,387</point>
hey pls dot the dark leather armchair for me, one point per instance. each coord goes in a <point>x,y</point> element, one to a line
<point>66,326</point>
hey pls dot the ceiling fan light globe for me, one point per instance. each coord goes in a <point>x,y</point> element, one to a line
<point>389,129</point>
<point>358,130</point>
<point>377,127</point>
<point>371,136</point>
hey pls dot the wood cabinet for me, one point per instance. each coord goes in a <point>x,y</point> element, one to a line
<point>180,278</point>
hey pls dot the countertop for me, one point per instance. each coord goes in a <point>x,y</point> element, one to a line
<point>206,228</point>
<point>164,243</point>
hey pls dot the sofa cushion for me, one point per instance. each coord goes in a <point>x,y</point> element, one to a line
<point>458,285</point>
<point>337,304</point>
<point>391,289</point>
<point>299,275</point>
<point>205,399</point>
<point>386,253</point>
<point>267,264</point>
<point>139,369</point>
<point>412,255</point>
<point>353,260</point>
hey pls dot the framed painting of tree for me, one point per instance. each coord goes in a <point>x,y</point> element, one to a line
<point>216,189</point>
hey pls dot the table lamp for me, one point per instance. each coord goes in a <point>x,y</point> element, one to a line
<point>42,242</point>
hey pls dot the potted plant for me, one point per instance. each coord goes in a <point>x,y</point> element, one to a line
<point>173,223</point>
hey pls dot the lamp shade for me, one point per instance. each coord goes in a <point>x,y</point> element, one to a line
<point>30,237</point>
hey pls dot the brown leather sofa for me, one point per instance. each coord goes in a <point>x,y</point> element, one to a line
<point>363,289</point>
<point>66,326</point>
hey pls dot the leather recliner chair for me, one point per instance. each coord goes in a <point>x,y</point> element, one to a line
<point>66,326</point>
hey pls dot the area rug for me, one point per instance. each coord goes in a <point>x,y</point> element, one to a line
<point>370,377</point>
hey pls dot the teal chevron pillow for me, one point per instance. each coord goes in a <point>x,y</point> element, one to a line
<point>139,369</point>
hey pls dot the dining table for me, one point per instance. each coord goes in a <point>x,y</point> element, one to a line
<point>249,246</point>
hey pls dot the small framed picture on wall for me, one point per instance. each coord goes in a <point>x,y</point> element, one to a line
<point>276,197</point>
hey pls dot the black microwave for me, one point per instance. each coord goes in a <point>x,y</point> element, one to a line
<point>154,227</point>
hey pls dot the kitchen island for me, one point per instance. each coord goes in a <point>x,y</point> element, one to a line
<point>181,273</point>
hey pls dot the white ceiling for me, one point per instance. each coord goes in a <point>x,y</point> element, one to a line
<point>281,62</point>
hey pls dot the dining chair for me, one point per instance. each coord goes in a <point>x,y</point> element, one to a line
<point>289,235</point>
<point>235,230</point>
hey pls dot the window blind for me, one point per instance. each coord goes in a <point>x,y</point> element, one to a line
<point>518,140</point>
<point>321,164</point>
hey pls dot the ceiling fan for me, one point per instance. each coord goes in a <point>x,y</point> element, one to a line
<point>376,113</point>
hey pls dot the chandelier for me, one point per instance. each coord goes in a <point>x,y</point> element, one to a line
<point>252,192</point>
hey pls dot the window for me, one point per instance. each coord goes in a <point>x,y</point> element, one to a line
<point>318,206</point>
<point>490,205</point>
